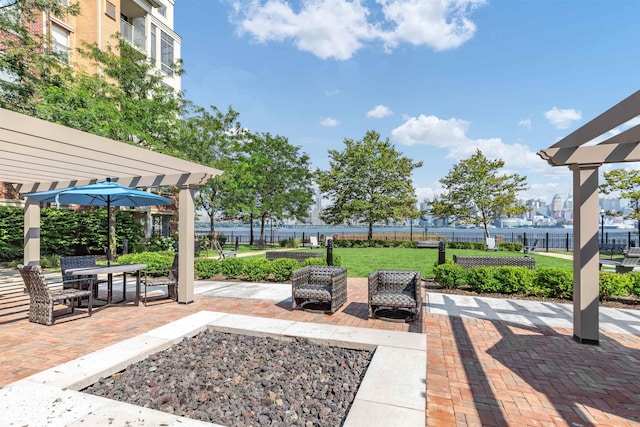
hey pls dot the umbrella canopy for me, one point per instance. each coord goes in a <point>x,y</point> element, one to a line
<point>105,193</point>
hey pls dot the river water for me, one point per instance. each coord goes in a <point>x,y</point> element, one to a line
<point>540,238</point>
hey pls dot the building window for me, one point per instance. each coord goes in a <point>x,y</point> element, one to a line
<point>110,10</point>
<point>60,42</point>
<point>154,49</point>
<point>162,10</point>
<point>161,225</point>
<point>166,53</point>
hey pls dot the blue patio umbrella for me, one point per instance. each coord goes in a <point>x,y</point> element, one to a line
<point>106,193</point>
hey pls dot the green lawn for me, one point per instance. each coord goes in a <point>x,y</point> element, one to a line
<point>360,262</point>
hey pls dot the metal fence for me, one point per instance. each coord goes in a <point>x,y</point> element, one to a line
<point>541,241</point>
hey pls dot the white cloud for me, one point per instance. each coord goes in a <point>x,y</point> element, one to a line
<point>379,111</point>
<point>333,92</point>
<point>451,135</point>
<point>525,123</point>
<point>562,118</point>
<point>339,28</point>
<point>329,122</point>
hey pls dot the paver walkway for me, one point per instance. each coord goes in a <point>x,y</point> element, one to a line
<point>480,370</point>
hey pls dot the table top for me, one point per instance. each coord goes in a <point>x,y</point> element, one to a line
<point>106,269</point>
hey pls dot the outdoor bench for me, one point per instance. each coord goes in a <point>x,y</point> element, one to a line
<point>298,255</point>
<point>468,261</point>
<point>432,244</point>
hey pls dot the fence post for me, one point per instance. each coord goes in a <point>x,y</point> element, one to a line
<point>237,243</point>
<point>567,242</point>
<point>524,241</point>
<point>546,246</point>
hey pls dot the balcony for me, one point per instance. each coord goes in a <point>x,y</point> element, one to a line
<point>134,36</point>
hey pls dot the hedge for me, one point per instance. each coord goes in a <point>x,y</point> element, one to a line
<point>541,282</point>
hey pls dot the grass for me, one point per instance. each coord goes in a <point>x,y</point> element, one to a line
<point>360,262</point>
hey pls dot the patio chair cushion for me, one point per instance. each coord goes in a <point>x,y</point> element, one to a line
<point>390,298</point>
<point>314,292</point>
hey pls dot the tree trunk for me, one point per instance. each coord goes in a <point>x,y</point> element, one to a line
<point>370,234</point>
<point>213,231</point>
<point>262,219</point>
<point>251,230</point>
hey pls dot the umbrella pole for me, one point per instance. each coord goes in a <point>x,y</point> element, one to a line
<point>108,230</point>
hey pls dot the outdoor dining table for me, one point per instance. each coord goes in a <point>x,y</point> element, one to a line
<point>110,270</point>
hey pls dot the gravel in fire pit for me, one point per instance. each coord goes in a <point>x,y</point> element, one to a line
<point>239,380</point>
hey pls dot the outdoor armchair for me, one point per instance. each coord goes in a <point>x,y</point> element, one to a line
<point>319,284</point>
<point>42,299</point>
<point>395,290</point>
<point>156,278</point>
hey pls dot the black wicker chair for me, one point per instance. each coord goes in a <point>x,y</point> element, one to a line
<point>82,282</point>
<point>42,299</point>
<point>319,284</point>
<point>157,278</point>
<point>395,289</point>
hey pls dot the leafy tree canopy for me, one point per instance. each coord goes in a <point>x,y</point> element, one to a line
<point>268,178</point>
<point>368,182</point>
<point>477,193</point>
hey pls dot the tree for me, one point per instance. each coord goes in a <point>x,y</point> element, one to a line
<point>28,62</point>
<point>268,178</point>
<point>368,182</point>
<point>210,138</point>
<point>476,192</point>
<point>627,182</point>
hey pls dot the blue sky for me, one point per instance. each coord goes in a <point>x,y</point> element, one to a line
<point>439,78</point>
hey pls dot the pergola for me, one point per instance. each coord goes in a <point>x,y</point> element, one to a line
<point>585,161</point>
<point>38,155</point>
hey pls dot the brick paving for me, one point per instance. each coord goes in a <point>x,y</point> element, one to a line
<point>479,372</point>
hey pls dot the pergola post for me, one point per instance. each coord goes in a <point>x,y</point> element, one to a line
<point>31,232</point>
<point>586,254</point>
<point>186,233</point>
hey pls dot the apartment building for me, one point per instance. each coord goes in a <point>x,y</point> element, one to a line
<point>145,24</point>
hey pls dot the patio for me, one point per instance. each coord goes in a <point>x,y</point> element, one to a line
<point>504,365</point>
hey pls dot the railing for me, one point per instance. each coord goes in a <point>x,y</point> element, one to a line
<point>540,241</point>
<point>134,36</point>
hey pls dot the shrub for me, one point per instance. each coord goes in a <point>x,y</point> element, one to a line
<point>222,239</point>
<point>615,284</point>
<point>282,268</point>
<point>159,244</point>
<point>635,284</point>
<point>256,269</point>
<point>511,246</point>
<point>554,282</point>
<point>290,243</point>
<point>206,268</point>
<point>50,261</point>
<point>467,245</point>
<point>231,267</point>
<point>154,260</point>
<point>482,279</point>
<point>448,274</point>
<point>315,261</point>
<point>514,279</point>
